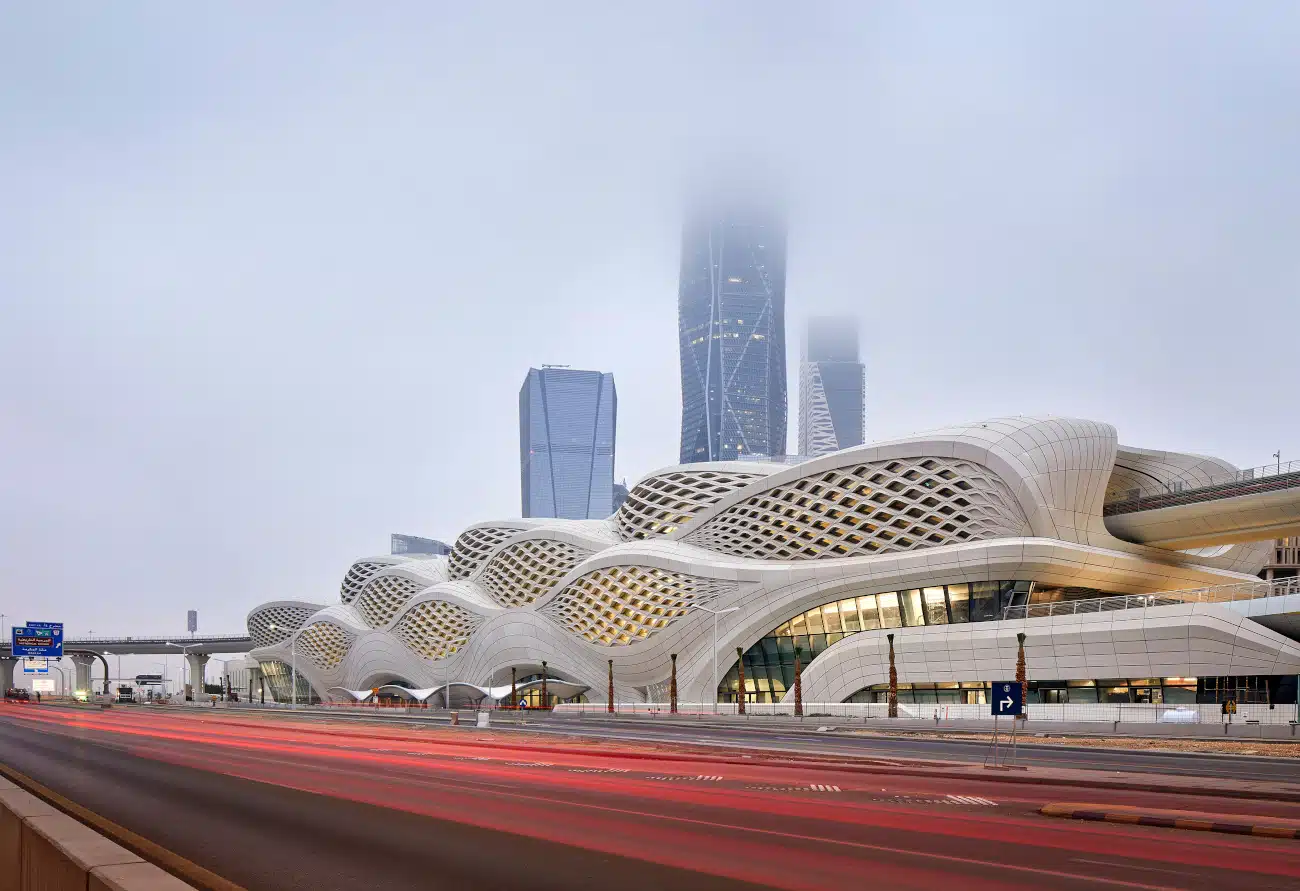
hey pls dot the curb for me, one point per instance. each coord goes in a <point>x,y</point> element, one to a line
<point>185,870</point>
<point>1259,826</point>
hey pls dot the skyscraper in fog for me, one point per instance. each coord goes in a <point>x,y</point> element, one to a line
<point>731,327</point>
<point>832,386</point>
<point>566,443</point>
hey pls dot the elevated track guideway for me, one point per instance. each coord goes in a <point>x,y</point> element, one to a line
<point>1248,505</point>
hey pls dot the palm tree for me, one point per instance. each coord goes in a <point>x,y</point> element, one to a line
<point>798,686</point>
<point>672,686</point>
<point>893,680</point>
<point>740,688</point>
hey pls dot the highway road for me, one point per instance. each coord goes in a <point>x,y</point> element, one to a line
<point>858,741</point>
<point>292,804</point>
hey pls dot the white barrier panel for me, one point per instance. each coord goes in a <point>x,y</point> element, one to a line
<point>1123,713</point>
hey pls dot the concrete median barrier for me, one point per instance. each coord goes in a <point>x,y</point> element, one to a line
<point>43,849</point>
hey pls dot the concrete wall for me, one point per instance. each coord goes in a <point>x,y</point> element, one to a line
<point>43,849</point>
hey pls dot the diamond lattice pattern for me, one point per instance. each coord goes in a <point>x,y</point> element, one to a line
<point>521,573</point>
<point>384,597</point>
<point>325,644</point>
<point>268,627</point>
<point>355,580</point>
<point>473,548</point>
<point>623,604</point>
<point>436,629</point>
<point>868,509</point>
<point>661,504</point>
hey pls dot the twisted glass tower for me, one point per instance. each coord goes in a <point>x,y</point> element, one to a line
<point>731,327</point>
<point>566,443</point>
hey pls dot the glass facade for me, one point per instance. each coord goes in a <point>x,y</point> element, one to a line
<point>769,664</point>
<point>413,544</point>
<point>278,678</point>
<point>731,329</point>
<point>1255,689</point>
<point>566,443</point>
<point>832,387</point>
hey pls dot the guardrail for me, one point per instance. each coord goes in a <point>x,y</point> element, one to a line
<point>1268,478</point>
<point>1216,594</point>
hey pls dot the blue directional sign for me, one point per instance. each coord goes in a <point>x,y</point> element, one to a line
<point>1007,699</point>
<point>43,641</point>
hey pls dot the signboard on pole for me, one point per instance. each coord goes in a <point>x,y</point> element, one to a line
<point>144,679</point>
<point>43,640</point>
<point>36,666</point>
<point>43,685</point>
<point>192,620</point>
<point>1007,699</point>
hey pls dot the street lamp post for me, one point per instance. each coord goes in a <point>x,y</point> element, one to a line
<point>715,613</point>
<point>185,658</point>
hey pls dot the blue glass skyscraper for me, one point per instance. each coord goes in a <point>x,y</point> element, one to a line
<point>566,443</point>
<point>731,326</point>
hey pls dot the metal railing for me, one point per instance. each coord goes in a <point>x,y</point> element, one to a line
<point>156,639</point>
<point>1217,594</point>
<point>1270,477</point>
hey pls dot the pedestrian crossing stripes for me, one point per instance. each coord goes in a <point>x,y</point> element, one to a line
<point>815,787</point>
<point>702,778</point>
<point>972,799</point>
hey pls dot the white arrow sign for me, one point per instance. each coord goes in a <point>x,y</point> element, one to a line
<point>1006,703</point>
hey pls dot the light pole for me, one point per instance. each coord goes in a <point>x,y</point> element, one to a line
<point>185,657</point>
<point>715,613</point>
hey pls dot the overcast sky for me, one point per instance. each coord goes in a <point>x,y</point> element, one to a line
<point>271,274</point>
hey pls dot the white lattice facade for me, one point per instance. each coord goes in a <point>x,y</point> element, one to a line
<point>872,508</point>
<point>928,530</point>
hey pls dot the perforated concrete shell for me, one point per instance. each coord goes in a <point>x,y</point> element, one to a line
<point>273,623</point>
<point>869,508</point>
<point>663,503</point>
<point>324,643</point>
<point>620,604</point>
<point>520,573</point>
<point>359,573</point>
<point>384,597</point>
<point>475,545</point>
<point>436,629</point>
<point>1007,498</point>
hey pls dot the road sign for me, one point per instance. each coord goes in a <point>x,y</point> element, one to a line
<point>43,685</point>
<point>36,666</point>
<point>143,679</point>
<point>1230,707</point>
<point>45,643</point>
<point>1007,699</point>
<point>50,625</point>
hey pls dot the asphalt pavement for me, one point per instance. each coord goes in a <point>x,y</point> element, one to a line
<point>289,803</point>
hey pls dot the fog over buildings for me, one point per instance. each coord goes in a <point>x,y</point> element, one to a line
<point>272,276</point>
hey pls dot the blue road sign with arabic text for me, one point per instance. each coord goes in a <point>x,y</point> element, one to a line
<point>1007,699</point>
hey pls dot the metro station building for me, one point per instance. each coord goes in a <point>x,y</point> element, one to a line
<point>953,542</point>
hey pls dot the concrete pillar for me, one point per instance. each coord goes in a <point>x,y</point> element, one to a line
<point>197,662</point>
<point>7,664</point>
<point>83,663</point>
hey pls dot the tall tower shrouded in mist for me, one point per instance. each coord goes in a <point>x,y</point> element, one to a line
<point>832,387</point>
<point>567,421</point>
<point>731,327</point>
